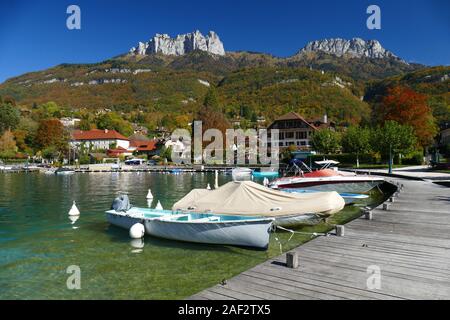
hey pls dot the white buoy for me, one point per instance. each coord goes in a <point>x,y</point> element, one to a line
<point>208,187</point>
<point>216,180</point>
<point>137,231</point>
<point>149,194</point>
<point>137,243</point>
<point>74,210</point>
<point>159,206</point>
<point>73,219</point>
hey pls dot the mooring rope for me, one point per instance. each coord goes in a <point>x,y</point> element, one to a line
<point>313,234</point>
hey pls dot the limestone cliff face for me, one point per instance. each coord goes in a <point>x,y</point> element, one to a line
<point>181,44</point>
<point>355,47</point>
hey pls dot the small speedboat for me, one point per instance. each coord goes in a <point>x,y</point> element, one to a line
<point>64,171</point>
<point>325,179</point>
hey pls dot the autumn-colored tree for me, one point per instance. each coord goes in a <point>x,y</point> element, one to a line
<point>51,133</point>
<point>408,107</point>
<point>20,137</point>
<point>7,145</point>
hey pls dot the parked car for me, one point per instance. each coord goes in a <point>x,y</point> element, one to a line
<point>134,162</point>
<point>152,163</point>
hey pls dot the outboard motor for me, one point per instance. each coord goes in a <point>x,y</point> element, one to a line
<point>121,203</point>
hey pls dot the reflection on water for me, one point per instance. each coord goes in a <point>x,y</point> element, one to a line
<point>38,240</point>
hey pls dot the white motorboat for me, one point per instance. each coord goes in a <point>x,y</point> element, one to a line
<point>64,171</point>
<point>326,179</point>
<point>241,174</point>
<point>193,227</point>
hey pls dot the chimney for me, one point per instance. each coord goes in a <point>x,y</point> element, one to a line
<point>106,130</point>
<point>325,118</point>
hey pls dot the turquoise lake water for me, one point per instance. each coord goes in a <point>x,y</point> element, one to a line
<point>38,241</point>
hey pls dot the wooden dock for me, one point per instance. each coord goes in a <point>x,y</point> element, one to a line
<point>409,243</point>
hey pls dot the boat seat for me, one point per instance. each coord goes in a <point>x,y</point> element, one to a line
<point>208,219</point>
<point>174,216</point>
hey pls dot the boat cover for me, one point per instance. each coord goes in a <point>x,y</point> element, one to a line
<point>252,199</point>
<point>121,203</point>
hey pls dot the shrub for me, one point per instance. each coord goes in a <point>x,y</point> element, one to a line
<point>416,158</point>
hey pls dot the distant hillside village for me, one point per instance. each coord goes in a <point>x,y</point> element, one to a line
<point>294,130</point>
<point>51,134</point>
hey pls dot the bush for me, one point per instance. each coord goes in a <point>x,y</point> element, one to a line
<point>84,159</point>
<point>416,158</point>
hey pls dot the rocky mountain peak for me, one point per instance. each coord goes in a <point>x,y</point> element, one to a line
<point>355,47</point>
<point>181,44</point>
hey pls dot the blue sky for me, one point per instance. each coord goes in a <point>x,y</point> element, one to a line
<point>33,34</point>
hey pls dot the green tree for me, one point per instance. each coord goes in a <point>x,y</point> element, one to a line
<point>210,100</point>
<point>49,110</point>
<point>393,138</point>
<point>9,117</point>
<point>166,153</point>
<point>50,153</point>
<point>326,141</point>
<point>356,140</point>
<point>84,125</point>
<point>113,121</point>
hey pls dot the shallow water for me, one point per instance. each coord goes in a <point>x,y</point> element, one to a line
<point>38,241</point>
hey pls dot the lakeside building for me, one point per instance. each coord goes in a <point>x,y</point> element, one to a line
<point>294,130</point>
<point>97,139</point>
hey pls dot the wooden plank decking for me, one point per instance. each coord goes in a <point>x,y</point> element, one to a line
<point>410,243</point>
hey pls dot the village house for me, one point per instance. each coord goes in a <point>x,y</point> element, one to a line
<point>294,130</point>
<point>139,144</point>
<point>97,139</point>
<point>70,122</point>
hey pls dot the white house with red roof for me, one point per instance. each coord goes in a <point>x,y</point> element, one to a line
<point>99,139</point>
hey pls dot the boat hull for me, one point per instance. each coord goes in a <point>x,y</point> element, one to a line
<point>355,185</point>
<point>237,231</point>
<point>241,233</point>
<point>122,220</point>
<point>349,198</point>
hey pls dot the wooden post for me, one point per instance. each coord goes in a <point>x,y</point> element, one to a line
<point>292,260</point>
<point>340,230</point>
<point>368,214</point>
<point>385,206</point>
